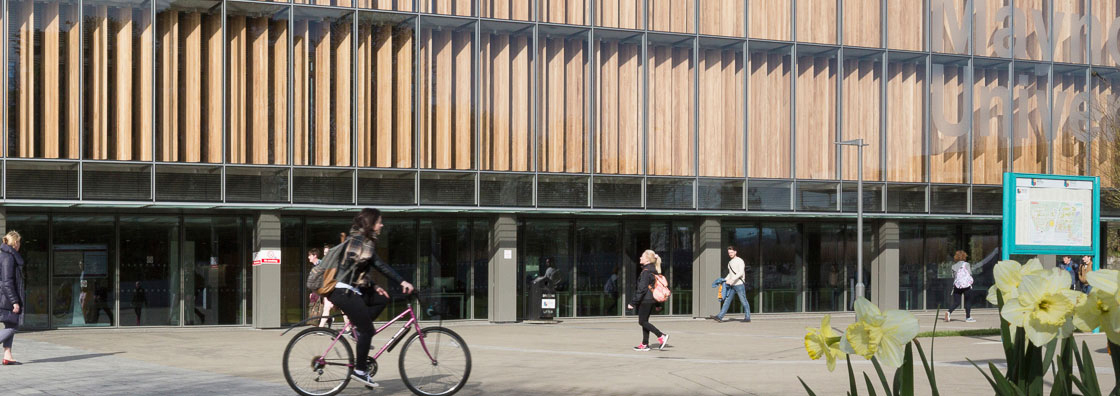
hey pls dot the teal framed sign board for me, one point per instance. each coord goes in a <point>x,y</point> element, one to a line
<point>1051,214</point>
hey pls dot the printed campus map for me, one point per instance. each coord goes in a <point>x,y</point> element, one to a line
<point>1050,213</point>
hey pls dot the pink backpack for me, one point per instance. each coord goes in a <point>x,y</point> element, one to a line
<point>660,288</point>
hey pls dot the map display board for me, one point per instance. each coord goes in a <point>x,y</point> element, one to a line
<point>1050,214</point>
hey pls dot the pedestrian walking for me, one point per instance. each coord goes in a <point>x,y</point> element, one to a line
<point>139,300</point>
<point>736,281</point>
<point>962,285</point>
<point>12,295</point>
<point>1071,267</point>
<point>1083,273</point>
<point>643,300</point>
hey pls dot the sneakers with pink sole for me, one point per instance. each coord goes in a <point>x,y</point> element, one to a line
<point>664,340</point>
<point>642,348</point>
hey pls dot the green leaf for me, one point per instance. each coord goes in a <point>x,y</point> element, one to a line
<point>986,376</point>
<point>1115,365</point>
<point>1063,379</point>
<point>1050,348</point>
<point>807,389</point>
<point>852,390</point>
<point>882,378</point>
<point>1032,381</point>
<point>907,370</point>
<point>1088,370</point>
<point>928,366</point>
<point>1009,347</point>
<point>870,387</point>
<point>1006,386</point>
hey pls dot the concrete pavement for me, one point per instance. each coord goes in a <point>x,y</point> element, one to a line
<point>575,357</point>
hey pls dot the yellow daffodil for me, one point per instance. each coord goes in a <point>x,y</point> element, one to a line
<point>878,334</point>
<point>1099,309</point>
<point>1107,281</point>
<point>823,342</point>
<point>1008,275</point>
<point>1043,306</point>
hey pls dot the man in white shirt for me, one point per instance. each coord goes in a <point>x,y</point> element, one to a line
<point>736,280</point>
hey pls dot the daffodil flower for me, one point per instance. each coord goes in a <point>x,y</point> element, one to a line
<point>823,342</point>
<point>1099,309</point>
<point>1043,306</point>
<point>1107,281</point>
<point>1008,274</point>
<point>878,334</point>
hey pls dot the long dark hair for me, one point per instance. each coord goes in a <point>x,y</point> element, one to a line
<point>364,222</point>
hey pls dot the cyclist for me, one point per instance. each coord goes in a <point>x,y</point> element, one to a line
<point>355,293</point>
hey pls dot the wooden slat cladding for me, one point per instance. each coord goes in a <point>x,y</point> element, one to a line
<point>991,105</point>
<point>44,61</point>
<point>1030,142</point>
<point>395,5</point>
<point>906,106</point>
<point>990,28</point>
<point>189,80</point>
<point>1105,148</point>
<point>563,144</point>
<point>257,87</point>
<point>1031,41</point>
<point>118,83</point>
<point>446,120</point>
<point>1070,132</point>
<point>722,74</point>
<point>322,55</point>
<point>618,143</point>
<point>862,25</point>
<point>504,81</point>
<point>336,3</point>
<point>722,17</point>
<point>671,120</point>
<point>385,89</point>
<point>770,19</point>
<point>1104,14</point>
<point>861,84</point>
<point>906,23</point>
<point>949,20</point>
<point>816,117</point>
<point>572,12</point>
<point>506,9</point>
<point>447,7</point>
<point>623,14</point>
<point>769,115</point>
<point>816,21</point>
<point>672,15</point>
<point>1070,31</point>
<point>948,152</point>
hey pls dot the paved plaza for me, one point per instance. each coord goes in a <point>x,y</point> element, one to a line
<point>574,357</point>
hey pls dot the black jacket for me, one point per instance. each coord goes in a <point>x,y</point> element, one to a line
<point>359,257</point>
<point>642,293</point>
<point>11,284</point>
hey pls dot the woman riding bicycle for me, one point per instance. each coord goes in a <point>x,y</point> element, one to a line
<point>355,285</point>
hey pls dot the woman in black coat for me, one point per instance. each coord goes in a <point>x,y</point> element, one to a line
<point>643,300</point>
<point>11,293</point>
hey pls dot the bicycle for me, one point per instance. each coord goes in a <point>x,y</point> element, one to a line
<point>319,361</point>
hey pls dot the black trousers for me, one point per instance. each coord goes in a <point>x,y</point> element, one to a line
<point>958,295</point>
<point>644,309</point>
<point>362,310</point>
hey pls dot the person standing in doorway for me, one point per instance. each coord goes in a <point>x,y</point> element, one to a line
<point>962,284</point>
<point>139,300</point>
<point>736,280</point>
<point>643,300</point>
<point>12,294</point>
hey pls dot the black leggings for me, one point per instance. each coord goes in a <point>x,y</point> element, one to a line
<point>643,319</point>
<point>958,294</point>
<point>361,317</point>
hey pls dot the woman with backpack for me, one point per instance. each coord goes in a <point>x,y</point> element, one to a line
<point>644,301</point>
<point>962,284</point>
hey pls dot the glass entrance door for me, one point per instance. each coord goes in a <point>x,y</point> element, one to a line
<point>82,280</point>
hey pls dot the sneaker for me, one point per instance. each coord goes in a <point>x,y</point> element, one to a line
<point>664,339</point>
<point>746,320</point>
<point>713,317</point>
<point>947,317</point>
<point>642,347</point>
<point>969,320</point>
<point>364,378</point>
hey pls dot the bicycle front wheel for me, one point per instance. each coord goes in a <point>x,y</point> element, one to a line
<point>313,367</point>
<point>438,364</point>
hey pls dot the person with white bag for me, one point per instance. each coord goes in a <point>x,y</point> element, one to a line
<point>962,284</point>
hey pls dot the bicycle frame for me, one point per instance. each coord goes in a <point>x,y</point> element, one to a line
<point>412,323</point>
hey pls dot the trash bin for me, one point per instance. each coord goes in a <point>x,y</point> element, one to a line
<point>542,301</point>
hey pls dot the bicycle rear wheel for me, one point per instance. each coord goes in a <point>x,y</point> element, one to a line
<point>439,366</point>
<point>308,371</point>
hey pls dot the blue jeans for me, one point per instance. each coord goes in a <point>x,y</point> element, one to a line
<point>741,290</point>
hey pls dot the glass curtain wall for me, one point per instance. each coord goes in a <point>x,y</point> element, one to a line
<point>926,260</point>
<point>445,266</point>
<point>598,261</point>
<point>214,273</point>
<point>149,265</point>
<point>83,254</point>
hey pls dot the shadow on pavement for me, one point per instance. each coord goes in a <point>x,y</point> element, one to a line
<point>73,358</point>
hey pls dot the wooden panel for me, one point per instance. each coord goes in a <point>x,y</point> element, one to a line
<point>396,5</point>
<point>504,97</point>
<point>862,81</point>
<point>97,82</point>
<point>721,99</point>
<point>816,117</point>
<point>323,58</point>
<point>816,21</point>
<point>723,17</point>
<point>258,135</point>
<point>169,98</point>
<point>319,33</point>
<point>25,82</point>
<point>505,9</point>
<point>190,83</point>
<point>1032,31</point>
<point>1104,18</point>
<point>991,118</point>
<point>949,125</point>
<point>278,51</point>
<point>73,81</point>
<point>403,121</point>
<point>1030,150</point>
<point>619,140</point>
<point>122,89</point>
<point>991,28</point>
<point>1070,30</point>
<point>905,108</point>
<point>770,19</point>
<point>769,116</point>
<point>144,116</point>
<point>1071,105</point>
<point>446,140</point>
<point>238,103</point>
<point>672,15</point>
<point>212,138</point>
<point>572,12</point>
<point>342,84</point>
<point>625,14</point>
<point>563,146</point>
<point>447,7</point>
<point>301,78</point>
<point>862,23</point>
<point>51,90</point>
<point>906,23</point>
<point>671,131</point>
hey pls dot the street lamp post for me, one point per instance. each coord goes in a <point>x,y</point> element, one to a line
<point>859,211</point>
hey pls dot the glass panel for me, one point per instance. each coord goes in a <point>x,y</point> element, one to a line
<point>624,14</point>
<point>722,17</point>
<point>444,268</point>
<point>547,244</point>
<point>722,75</point>
<point>257,84</point>
<point>617,192</point>
<point>781,267</point>
<point>948,199</point>
<point>987,200</point>
<point>396,5</point>
<point>480,236</point>
<point>570,12</point>
<point>397,246</point>
<point>447,7</point>
<point>991,27</point>
<point>44,60</point>
<point>322,56</point>
<point>256,184</point>
<point>906,199</point>
<point>444,90</point>
<point>562,143</point>
<point>385,64</point>
<point>189,81</point>
<point>770,19</point>
<point>34,237</point>
<point>906,107</point>
<point>949,125</point>
<point>816,116</point>
<point>816,21</point>
<point>669,193</point>
<point>117,182</point>
<point>1071,36</point>
<point>991,123</point>
<point>826,254</point>
<point>619,91</point>
<point>746,240</point>
<point>720,194</point>
<point>941,242</point>
<point>950,19</point>
<point>1031,147</point>
<point>872,197</point>
<point>214,269</point>
<point>446,188</point>
<point>598,255</point>
<point>1032,29</point>
<point>862,23</point>
<point>769,102</point>
<point>671,15</point>
<point>53,180</point>
<point>188,183</point>
<point>293,270</point>
<point>640,236</point>
<point>680,270</point>
<point>117,54</point>
<point>505,190</point>
<point>863,80</point>
<point>505,9</point>
<point>1106,16</point>
<point>149,280</point>
<point>671,97</point>
<point>386,188</point>
<point>321,186</point>
<point>504,101</point>
<point>1071,123</point>
<point>562,191</point>
<point>817,197</point>
<point>911,274</point>
<point>1106,142</point>
<point>768,195</point>
<point>983,254</point>
<point>84,269</point>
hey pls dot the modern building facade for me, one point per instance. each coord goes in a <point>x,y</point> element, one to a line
<point>153,148</point>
